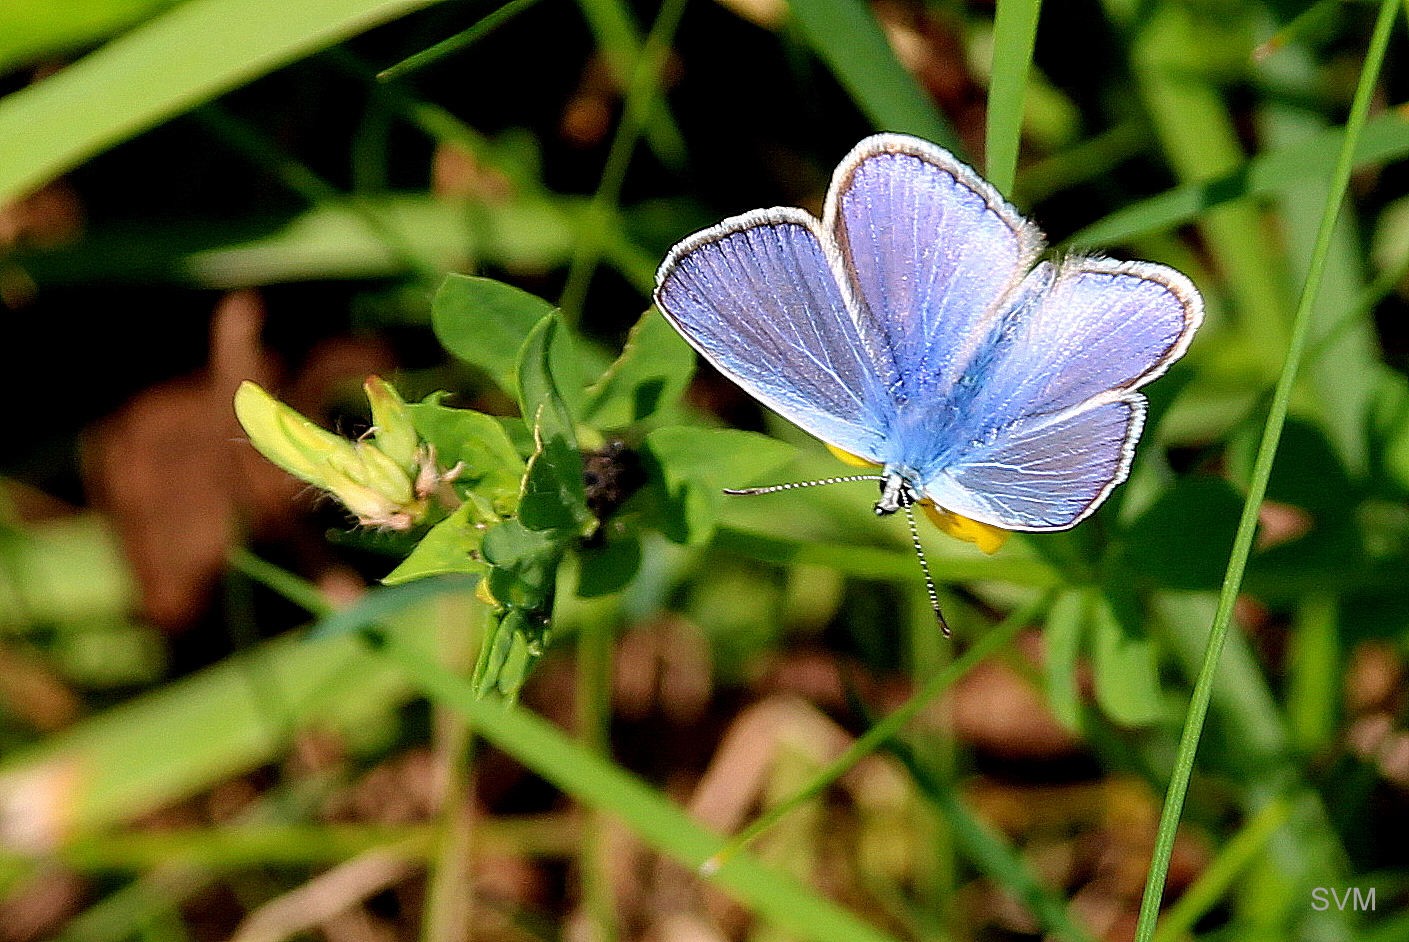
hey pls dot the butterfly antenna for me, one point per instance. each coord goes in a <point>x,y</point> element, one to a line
<point>925,568</point>
<point>773,488</point>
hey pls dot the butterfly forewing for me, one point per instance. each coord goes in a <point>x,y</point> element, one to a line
<point>757,296</point>
<point>932,250</point>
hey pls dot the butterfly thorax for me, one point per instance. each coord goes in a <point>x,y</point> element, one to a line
<point>923,436</point>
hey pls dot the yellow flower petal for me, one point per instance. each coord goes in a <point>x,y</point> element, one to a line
<point>853,460</point>
<point>987,537</point>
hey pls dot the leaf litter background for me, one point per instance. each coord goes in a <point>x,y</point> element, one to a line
<point>178,765</point>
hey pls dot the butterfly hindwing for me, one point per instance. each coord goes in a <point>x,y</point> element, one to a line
<point>1099,326</point>
<point>1053,420</point>
<point>1046,473</point>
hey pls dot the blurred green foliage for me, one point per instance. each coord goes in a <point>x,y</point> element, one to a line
<point>566,487</point>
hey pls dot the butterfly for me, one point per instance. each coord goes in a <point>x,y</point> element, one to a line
<point>916,328</point>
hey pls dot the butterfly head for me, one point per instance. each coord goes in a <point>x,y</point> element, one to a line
<point>897,492</point>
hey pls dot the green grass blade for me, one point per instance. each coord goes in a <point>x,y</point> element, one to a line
<point>1315,674</point>
<point>1177,52</point>
<point>1308,26</point>
<point>1348,371</point>
<point>847,37</point>
<point>991,851</point>
<point>32,31</point>
<point>595,781</point>
<point>612,24</point>
<point>1384,138</point>
<point>1014,34</point>
<point>1236,857</point>
<point>457,43</point>
<point>603,223</point>
<point>261,150</point>
<point>161,69</point>
<point>188,735</point>
<point>1262,468</point>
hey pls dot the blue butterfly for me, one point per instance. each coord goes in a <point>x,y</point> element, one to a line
<point>915,328</point>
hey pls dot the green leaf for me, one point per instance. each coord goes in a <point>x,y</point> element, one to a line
<point>485,322</point>
<point>554,494</point>
<point>847,37</point>
<point>652,372</point>
<point>1061,639</point>
<point>189,55</point>
<point>492,466</point>
<point>35,29</point>
<point>608,568</point>
<point>719,457</point>
<point>688,468</point>
<point>1123,665</point>
<point>524,565</point>
<point>1153,552</point>
<point>451,546</point>
<point>551,393</point>
<point>1308,472</point>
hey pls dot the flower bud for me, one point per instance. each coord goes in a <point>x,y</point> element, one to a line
<point>364,478</point>
<point>392,428</point>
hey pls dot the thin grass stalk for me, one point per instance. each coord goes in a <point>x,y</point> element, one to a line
<point>299,178</point>
<point>457,43</point>
<point>991,852</point>
<point>594,700</point>
<point>642,95</point>
<point>1014,35</point>
<point>937,882</point>
<point>1235,859</point>
<point>613,25</point>
<point>1257,488</point>
<point>886,729</point>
